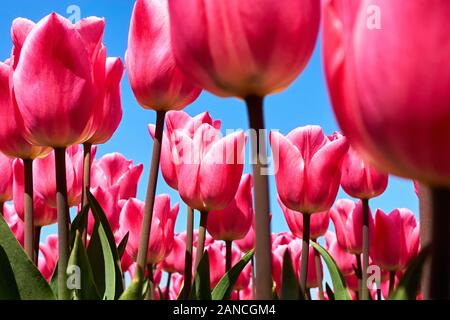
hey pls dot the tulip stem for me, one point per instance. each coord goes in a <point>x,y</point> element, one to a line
<point>86,183</point>
<point>391,281</point>
<point>228,245</point>
<point>151,283</point>
<point>37,239</point>
<point>440,246</point>
<point>2,204</point>
<point>317,263</point>
<point>305,251</point>
<point>201,237</point>
<point>28,208</point>
<point>166,294</point>
<point>425,203</point>
<point>365,262</point>
<point>253,279</point>
<point>151,192</point>
<point>63,222</point>
<point>359,273</point>
<point>188,254</point>
<point>263,252</point>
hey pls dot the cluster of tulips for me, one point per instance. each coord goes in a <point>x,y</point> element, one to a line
<point>60,97</point>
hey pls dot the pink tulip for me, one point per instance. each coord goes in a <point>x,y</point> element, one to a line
<point>178,120</point>
<point>108,199</point>
<point>14,222</point>
<point>233,222</point>
<point>361,180</point>
<point>6,178</point>
<point>295,250</point>
<point>248,242</point>
<point>114,169</point>
<point>208,239</point>
<point>319,222</point>
<point>162,231</point>
<point>282,238</point>
<point>43,214</point>
<point>398,110</point>
<point>231,49</point>
<point>107,121</point>
<point>49,257</point>
<point>174,261</point>
<point>345,261</point>
<point>217,254</point>
<point>399,228</point>
<point>347,217</point>
<point>204,162</point>
<point>308,168</point>
<point>155,78</point>
<point>57,66</point>
<point>12,140</point>
<point>243,294</point>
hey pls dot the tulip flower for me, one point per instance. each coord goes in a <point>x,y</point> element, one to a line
<point>108,198</point>
<point>376,114</point>
<point>14,222</point>
<point>173,262</point>
<point>248,242</point>
<point>49,258</point>
<point>163,226</point>
<point>260,52</point>
<point>398,227</point>
<point>6,180</point>
<point>319,221</point>
<point>202,163</point>
<point>157,83</point>
<point>345,261</point>
<point>308,175</point>
<point>114,169</point>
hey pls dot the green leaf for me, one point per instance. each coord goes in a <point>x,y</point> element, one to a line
<point>225,286</point>
<point>30,283</point>
<point>104,248</point>
<point>8,285</point>
<point>54,280</point>
<point>329,291</point>
<point>78,224</point>
<point>122,245</point>
<point>339,285</point>
<point>201,290</point>
<point>290,288</point>
<point>409,285</point>
<point>79,259</point>
<point>134,290</point>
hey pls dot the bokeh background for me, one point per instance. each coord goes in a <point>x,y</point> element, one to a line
<point>304,102</point>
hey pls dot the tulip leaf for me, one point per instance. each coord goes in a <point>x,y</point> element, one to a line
<point>201,289</point>
<point>103,255</point>
<point>134,290</point>
<point>224,288</point>
<point>122,245</point>
<point>83,282</point>
<point>409,285</point>
<point>290,288</point>
<point>78,224</point>
<point>54,280</point>
<point>30,283</point>
<point>8,285</point>
<point>339,285</point>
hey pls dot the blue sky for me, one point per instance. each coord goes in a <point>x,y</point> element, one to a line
<point>304,102</point>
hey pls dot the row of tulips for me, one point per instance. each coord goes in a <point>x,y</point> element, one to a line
<point>59,90</point>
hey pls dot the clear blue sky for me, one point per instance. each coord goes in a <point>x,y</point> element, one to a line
<point>305,102</point>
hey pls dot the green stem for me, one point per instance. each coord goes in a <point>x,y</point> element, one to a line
<point>86,183</point>
<point>188,254</point>
<point>228,255</point>
<point>305,252</point>
<point>201,238</point>
<point>366,213</point>
<point>28,208</point>
<point>317,262</point>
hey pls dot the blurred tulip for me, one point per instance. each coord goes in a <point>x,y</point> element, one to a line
<point>178,120</point>
<point>6,179</point>
<point>308,167</point>
<point>345,261</point>
<point>347,217</point>
<point>49,257</point>
<point>43,214</point>
<point>319,221</point>
<point>231,49</point>
<point>162,232</point>
<point>233,222</point>
<point>174,262</point>
<point>56,68</point>
<point>12,139</point>
<point>113,169</point>
<point>155,78</point>
<point>108,198</point>
<point>399,228</point>
<point>359,179</point>
<point>208,239</point>
<point>282,238</point>
<point>14,222</point>
<point>204,162</point>
<point>248,242</point>
<point>107,121</point>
